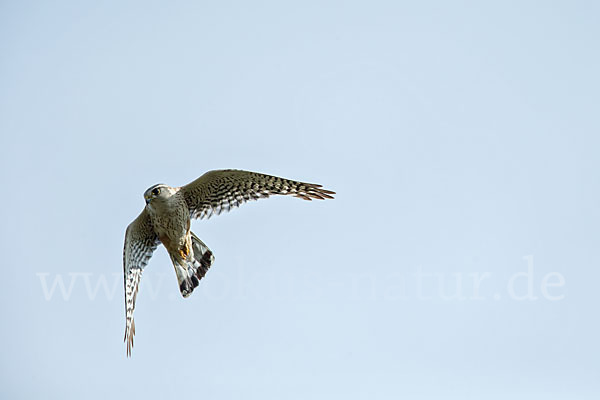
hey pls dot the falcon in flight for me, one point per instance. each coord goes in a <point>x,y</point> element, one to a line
<point>166,219</point>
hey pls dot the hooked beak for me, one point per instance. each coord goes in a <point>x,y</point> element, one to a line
<point>147,200</point>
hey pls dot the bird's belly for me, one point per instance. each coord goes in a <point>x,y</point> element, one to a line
<point>172,236</point>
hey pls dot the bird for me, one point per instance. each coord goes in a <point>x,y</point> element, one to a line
<point>166,219</point>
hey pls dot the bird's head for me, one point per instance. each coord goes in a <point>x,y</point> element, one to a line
<point>159,191</point>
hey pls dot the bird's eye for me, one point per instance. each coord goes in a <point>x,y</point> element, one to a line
<point>156,191</point>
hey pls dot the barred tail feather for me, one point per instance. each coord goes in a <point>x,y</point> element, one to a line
<point>203,257</point>
<point>194,268</point>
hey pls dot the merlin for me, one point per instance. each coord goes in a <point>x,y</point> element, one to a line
<point>167,216</point>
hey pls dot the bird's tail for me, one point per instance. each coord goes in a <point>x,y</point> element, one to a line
<point>194,267</point>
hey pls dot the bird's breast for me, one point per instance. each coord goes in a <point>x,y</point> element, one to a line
<point>171,224</point>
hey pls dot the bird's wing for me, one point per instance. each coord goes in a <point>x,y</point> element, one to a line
<point>222,190</point>
<point>140,243</point>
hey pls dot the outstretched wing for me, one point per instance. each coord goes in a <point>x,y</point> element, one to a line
<point>140,243</point>
<point>222,190</point>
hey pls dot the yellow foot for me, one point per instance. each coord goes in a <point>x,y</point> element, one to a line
<point>184,252</point>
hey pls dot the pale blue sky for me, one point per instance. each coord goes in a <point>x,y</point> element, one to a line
<point>461,138</point>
